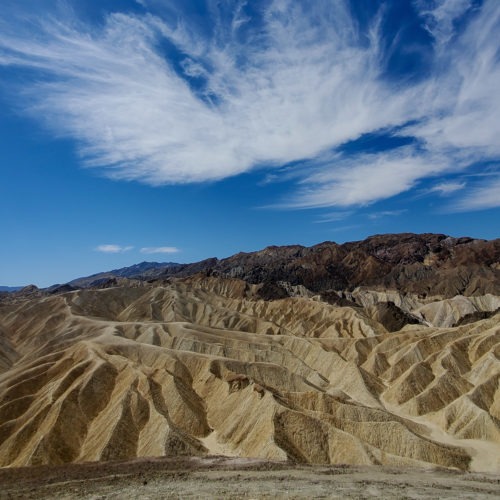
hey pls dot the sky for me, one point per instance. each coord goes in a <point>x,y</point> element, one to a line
<point>176,130</point>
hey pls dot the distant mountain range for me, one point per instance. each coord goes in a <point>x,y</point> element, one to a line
<point>421,264</point>
<point>10,288</point>
<point>413,263</point>
<point>144,270</point>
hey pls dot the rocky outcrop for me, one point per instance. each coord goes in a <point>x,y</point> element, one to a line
<point>425,265</point>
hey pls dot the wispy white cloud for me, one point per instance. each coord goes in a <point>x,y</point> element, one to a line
<point>306,86</point>
<point>334,216</point>
<point>440,16</point>
<point>302,84</point>
<point>483,196</point>
<point>113,248</point>
<point>386,213</point>
<point>463,108</point>
<point>364,179</point>
<point>447,188</point>
<point>151,250</point>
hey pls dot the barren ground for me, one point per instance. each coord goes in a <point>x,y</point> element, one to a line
<point>218,477</point>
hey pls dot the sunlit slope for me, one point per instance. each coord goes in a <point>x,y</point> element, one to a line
<point>202,365</point>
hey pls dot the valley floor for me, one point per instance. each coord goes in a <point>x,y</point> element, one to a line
<point>219,477</point>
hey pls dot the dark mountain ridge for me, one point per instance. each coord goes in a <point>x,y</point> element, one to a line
<point>415,263</point>
<point>423,264</point>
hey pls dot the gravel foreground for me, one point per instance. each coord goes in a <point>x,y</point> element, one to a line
<point>219,477</point>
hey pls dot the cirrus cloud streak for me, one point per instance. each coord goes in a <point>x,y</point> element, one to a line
<point>154,98</point>
<point>151,250</point>
<point>113,248</point>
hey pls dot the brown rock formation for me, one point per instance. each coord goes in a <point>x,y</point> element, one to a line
<point>420,264</point>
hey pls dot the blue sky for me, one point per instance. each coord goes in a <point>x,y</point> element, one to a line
<point>172,130</point>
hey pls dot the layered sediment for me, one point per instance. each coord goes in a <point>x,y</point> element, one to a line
<point>208,365</point>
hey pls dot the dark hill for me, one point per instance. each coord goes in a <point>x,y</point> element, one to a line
<point>422,264</point>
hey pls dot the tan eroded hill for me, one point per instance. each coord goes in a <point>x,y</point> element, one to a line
<point>203,365</point>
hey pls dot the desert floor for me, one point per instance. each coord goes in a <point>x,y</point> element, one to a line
<point>218,477</point>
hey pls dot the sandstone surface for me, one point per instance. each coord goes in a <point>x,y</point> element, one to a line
<point>205,365</point>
